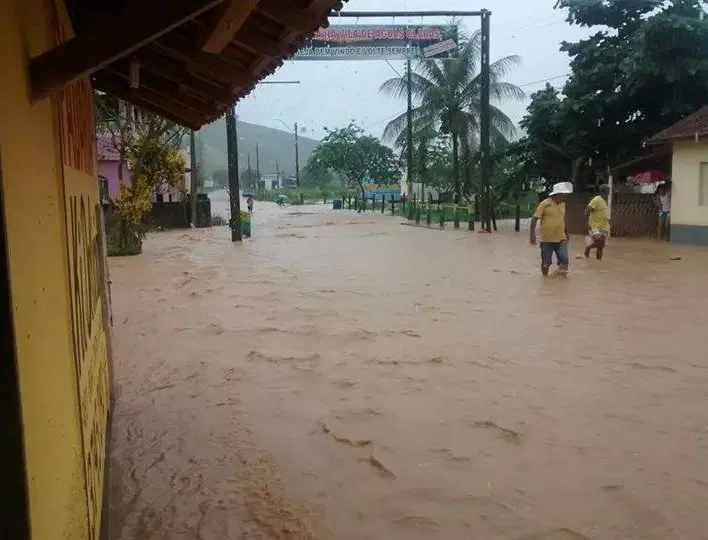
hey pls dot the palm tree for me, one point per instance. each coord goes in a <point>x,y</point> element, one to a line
<point>449,96</point>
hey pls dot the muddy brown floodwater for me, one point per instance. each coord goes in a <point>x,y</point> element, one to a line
<point>345,377</point>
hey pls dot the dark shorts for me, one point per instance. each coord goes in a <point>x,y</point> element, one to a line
<point>596,240</point>
<point>549,248</point>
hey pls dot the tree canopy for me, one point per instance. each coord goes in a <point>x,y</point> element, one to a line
<point>645,68</point>
<point>149,144</point>
<point>356,156</point>
<point>448,96</point>
<point>316,175</point>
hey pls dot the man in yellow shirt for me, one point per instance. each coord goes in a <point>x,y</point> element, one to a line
<point>598,223</point>
<point>554,233</point>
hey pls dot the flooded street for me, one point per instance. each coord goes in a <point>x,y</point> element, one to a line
<point>344,377</point>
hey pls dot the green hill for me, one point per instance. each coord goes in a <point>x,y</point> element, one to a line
<point>276,148</point>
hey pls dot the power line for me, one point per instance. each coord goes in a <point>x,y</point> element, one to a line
<point>394,69</point>
<point>388,118</point>
<point>545,80</point>
<point>529,30</point>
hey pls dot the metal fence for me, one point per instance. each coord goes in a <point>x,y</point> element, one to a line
<point>633,214</point>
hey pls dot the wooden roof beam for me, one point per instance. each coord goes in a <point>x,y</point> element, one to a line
<point>149,100</point>
<point>288,14</point>
<point>257,41</point>
<point>174,47</point>
<point>168,89</point>
<point>287,37</point>
<point>170,70</point>
<point>228,21</point>
<point>108,41</point>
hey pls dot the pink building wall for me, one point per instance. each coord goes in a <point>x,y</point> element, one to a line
<point>108,159</point>
<point>109,170</point>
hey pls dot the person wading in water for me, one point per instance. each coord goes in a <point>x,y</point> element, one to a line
<point>598,223</point>
<point>554,231</point>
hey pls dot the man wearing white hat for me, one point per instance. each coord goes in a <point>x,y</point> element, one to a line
<point>554,233</point>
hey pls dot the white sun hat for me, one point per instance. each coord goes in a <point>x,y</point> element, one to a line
<point>562,188</point>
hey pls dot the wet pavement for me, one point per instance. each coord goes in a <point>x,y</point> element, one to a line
<point>341,376</point>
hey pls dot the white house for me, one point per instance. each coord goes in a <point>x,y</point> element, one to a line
<point>689,174</point>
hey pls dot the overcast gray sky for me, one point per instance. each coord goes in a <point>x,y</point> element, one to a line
<point>331,93</point>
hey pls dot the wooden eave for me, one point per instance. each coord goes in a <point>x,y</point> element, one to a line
<point>196,58</point>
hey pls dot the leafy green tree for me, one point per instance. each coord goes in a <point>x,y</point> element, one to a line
<point>314,175</point>
<point>554,148</point>
<point>153,164</point>
<point>645,68</point>
<point>448,93</point>
<point>149,144</point>
<point>356,156</point>
<point>434,165</point>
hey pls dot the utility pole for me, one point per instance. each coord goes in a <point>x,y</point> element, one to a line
<point>409,130</point>
<point>193,176</point>
<point>234,188</point>
<point>484,124</point>
<point>258,166</point>
<point>297,159</point>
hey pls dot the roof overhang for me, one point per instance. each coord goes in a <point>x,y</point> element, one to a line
<point>187,60</point>
<point>659,159</point>
<point>692,127</point>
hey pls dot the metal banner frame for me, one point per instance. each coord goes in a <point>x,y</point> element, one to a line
<point>484,15</point>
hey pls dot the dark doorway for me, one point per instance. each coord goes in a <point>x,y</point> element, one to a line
<point>14,521</point>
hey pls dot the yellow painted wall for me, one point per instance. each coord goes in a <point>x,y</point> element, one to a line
<point>685,175</point>
<point>50,261</point>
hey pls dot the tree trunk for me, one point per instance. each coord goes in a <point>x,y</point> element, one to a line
<point>363,194</point>
<point>456,165</point>
<point>466,166</point>
<point>423,170</point>
<point>575,171</point>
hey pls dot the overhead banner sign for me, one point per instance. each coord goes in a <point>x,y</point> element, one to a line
<point>380,42</point>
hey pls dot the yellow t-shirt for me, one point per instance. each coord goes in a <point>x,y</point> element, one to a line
<point>597,220</point>
<point>552,218</point>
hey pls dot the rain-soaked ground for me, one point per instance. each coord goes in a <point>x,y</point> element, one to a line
<point>345,377</point>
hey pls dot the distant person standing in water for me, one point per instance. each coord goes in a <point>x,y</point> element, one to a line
<point>663,193</point>
<point>249,203</point>
<point>598,223</point>
<point>554,231</point>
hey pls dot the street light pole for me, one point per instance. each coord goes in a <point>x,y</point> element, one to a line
<point>297,153</point>
<point>297,160</point>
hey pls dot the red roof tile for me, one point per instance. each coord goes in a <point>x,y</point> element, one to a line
<point>695,125</point>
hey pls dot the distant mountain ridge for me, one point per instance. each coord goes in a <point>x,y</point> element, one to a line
<point>276,148</point>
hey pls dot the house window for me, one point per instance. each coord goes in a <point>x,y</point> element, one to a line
<point>703,185</point>
<point>103,189</point>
